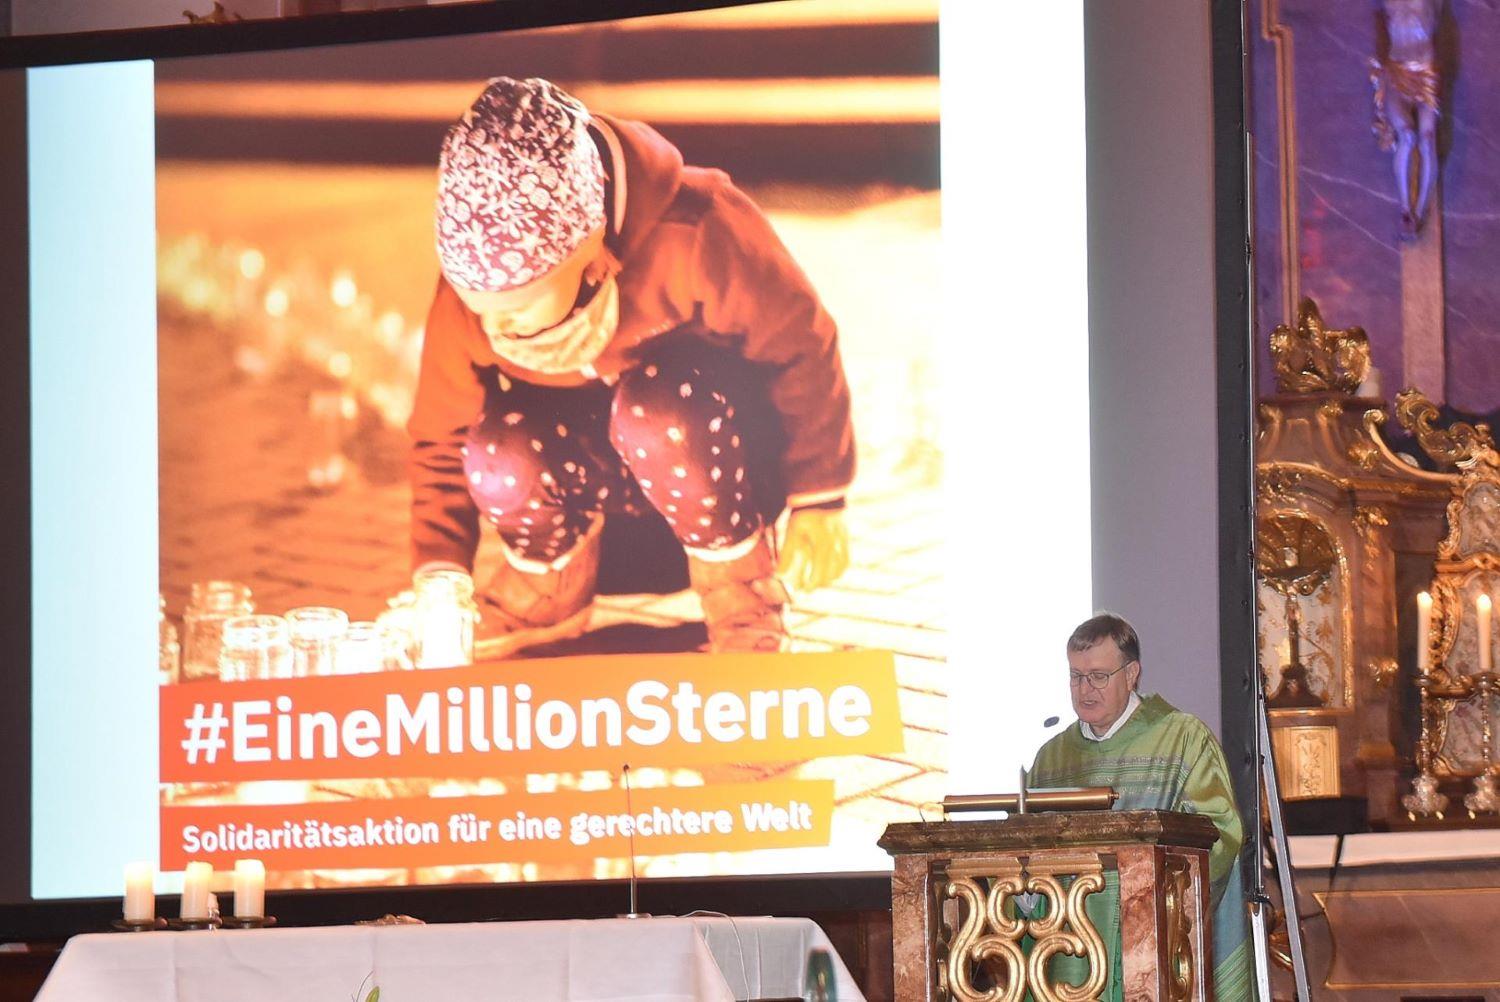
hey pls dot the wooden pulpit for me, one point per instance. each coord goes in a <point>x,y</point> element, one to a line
<point>981,908</point>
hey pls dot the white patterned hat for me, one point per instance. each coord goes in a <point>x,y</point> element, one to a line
<point>520,186</point>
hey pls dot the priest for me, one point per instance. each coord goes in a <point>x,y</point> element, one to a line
<point>1156,758</point>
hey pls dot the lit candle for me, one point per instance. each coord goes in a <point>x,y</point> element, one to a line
<point>1483,605</point>
<point>1424,627</point>
<point>444,618</point>
<point>249,889</point>
<point>140,892</point>
<point>195,891</point>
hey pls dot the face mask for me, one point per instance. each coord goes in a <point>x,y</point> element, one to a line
<point>574,343</point>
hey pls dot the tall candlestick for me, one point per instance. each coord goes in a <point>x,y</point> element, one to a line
<point>1483,605</point>
<point>249,889</point>
<point>140,892</point>
<point>1424,626</point>
<point>195,891</point>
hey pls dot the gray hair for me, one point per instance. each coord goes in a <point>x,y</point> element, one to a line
<point>1106,626</point>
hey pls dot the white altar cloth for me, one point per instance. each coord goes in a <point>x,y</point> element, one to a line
<point>1376,848</point>
<point>611,960</point>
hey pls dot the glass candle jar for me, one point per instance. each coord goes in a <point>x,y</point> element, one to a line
<point>255,647</point>
<point>443,620</point>
<point>315,632</point>
<point>368,647</point>
<point>400,623</point>
<point>168,649</point>
<point>211,605</point>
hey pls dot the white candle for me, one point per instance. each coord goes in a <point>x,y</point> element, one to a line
<point>1483,605</point>
<point>1424,626</point>
<point>195,891</point>
<point>249,889</point>
<point>140,892</point>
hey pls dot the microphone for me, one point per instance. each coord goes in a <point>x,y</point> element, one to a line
<point>1051,721</point>
<point>630,810</point>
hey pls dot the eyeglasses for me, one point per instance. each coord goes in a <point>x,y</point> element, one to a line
<point>1097,679</point>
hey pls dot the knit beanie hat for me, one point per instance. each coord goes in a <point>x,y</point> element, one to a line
<point>520,186</point>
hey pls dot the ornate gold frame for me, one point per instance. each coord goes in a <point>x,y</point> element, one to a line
<point>1346,607</point>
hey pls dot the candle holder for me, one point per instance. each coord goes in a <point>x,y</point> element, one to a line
<point>248,922</point>
<point>138,925</point>
<point>189,925</point>
<point>1425,799</point>
<point>1486,798</point>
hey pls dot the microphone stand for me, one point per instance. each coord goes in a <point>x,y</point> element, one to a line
<point>630,810</point>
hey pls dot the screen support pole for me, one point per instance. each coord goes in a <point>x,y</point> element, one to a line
<point>1261,909</point>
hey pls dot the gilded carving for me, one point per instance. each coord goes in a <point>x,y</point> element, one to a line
<point>1305,631</point>
<point>1460,444</point>
<point>1270,421</point>
<point>1473,520</point>
<point>1367,519</point>
<point>1383,671</point>
<point>1458,694</point>
<point>1276,482</point>
<point>1067,929</point>
<point>985,937</point>
<point>1307,761</point>
<point>1294,553</point>
<point>1179,950</point>
<point>1313,358</point>
<point>1363,454</point>
<point>991,925</point>
<point>1374,421</point>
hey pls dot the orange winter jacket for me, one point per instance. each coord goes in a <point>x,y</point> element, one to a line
<point>696,253</point>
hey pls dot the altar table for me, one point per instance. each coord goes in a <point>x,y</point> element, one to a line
<point>660,959</point>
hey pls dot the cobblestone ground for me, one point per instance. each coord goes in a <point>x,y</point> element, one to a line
<point>242,424</point>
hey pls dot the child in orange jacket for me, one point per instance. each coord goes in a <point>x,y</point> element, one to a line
<point>573,366</point>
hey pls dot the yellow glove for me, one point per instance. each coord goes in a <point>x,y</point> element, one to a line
<point>816,549</point>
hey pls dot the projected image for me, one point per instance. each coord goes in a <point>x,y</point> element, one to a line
<point>648,491</point>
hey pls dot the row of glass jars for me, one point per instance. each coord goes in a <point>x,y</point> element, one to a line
<point>432,626</point>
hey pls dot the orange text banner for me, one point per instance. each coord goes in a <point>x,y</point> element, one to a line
<point>543,828</point>
<point>511,718</point>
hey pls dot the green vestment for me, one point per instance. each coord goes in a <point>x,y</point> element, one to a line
<point>1162,759</point>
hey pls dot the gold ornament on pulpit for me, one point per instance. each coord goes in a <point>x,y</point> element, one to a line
<point>1294,558</point>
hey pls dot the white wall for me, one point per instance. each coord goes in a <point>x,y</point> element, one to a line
<point>1151,338</point>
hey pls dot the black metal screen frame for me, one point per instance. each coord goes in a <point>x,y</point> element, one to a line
<point>801,894</point>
